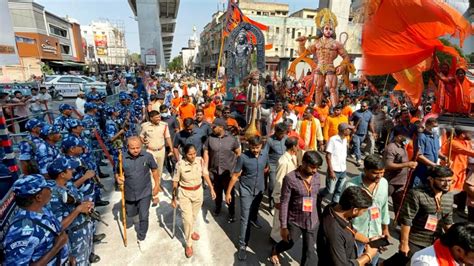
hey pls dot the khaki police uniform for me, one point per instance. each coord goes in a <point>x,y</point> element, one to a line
<point>154,137</point>
<point>190,192</point>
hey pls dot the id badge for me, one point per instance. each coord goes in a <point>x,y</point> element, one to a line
<point>307,204</point>
<point>374,213</point>
<point>431,223</point>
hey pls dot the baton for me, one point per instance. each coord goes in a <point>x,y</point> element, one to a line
<point>104,148</point>
<point>122,188</point>
<point>174,221</point>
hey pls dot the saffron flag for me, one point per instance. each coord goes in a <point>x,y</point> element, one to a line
<point>398,40</point>
<point>234,16</point>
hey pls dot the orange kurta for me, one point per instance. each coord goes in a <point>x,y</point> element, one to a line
<point>187,111</point>
<point>347,111</point>
<point>460,151</point>
<point>176,102</point>
<point>323,113</point>
<point>332,122</point>
<point>463,96</point>
<point>209,112</point>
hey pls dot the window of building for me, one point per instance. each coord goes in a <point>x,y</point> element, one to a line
<point>286,49</point>
<point>287,30</point>
<point>276,49</point>
<point>310,16</point>
<point>65,49</point>
<point>272,13</point>
<point>291,52</point>
<point>299,34</point>
<point>259,13</point>
<point>57,31</point>
<point>293,33</point>
<point>265,13</point>
<point>277,30</point>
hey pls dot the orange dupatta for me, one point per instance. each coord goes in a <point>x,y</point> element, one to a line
<point>312,136</point>
<point>277,117</point>
<point>443,255</point>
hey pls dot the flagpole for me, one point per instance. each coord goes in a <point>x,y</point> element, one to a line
<point>220,54</point>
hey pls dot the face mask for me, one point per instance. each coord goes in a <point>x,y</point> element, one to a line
<point>435,130</point>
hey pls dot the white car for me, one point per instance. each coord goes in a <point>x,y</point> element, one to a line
<point>70,85</point>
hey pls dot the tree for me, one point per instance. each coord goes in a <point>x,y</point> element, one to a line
<point>444,57</point>
<point>134,58</point>
<point>176,64</point>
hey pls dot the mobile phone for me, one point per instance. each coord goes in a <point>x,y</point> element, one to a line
<point>381,242</point>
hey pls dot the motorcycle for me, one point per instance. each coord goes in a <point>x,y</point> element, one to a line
<point>55,94</point>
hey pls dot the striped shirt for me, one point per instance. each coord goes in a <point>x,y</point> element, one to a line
<point>292,193</point>
<point>418,205</point>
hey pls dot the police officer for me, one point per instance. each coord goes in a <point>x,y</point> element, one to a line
<point>61,121</point>
<point>127,117</point>
<point>91,126</point>
<point>138,105</point>
<point>114,137</point>
<point>68,206</point>
<point>47,151</point>
<point>156,135</point>
<point>28,146</point>
<point>35,235</point>
<point>190,194</point>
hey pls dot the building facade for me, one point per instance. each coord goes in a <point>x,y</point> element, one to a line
<point>42,38</point>
<point>190,54</point>
<point>105,42</point>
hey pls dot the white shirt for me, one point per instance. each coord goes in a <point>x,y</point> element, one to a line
<point>426,257</point>
<point>80,105</point>
<point>45,97</point>
<point>35,106</point>
<point>337,147</point>
<point>192,91</point>
<point>287,163</point>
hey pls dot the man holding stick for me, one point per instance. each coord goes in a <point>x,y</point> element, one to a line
<point>137,184</point>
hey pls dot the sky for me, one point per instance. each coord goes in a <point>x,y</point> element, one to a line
<point>190,13</point>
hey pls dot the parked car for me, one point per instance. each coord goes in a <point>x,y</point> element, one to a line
<point>25,88</point>
<point>70,85</point>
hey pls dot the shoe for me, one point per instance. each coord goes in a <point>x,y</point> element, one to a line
<point>256,224</point>
<point>93,258</point>
<point>101,203</point>
<point>195,236</point>
<point>242,254</point>
<point>231,219</point>
<point>102,175</point>
<point>188,251</point>
<point>353,156</point>
<point>98,238</point>
<point>102,164</point>
<point>358,163</point>
<point>141,244</point>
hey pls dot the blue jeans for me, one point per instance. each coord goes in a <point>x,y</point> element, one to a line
<point>357,140</point>
<point>360,250</point>
<point>334,186</point>
<point>249,205</point>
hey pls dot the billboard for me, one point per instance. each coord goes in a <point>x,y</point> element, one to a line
<point>100,40</point>
<point>101,51</point>
<point>8,52</point>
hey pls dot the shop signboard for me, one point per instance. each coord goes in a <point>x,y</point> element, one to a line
<point>101,51</point>
<point>150,60</point>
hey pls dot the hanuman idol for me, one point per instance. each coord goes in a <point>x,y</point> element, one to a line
<point>325,50</point>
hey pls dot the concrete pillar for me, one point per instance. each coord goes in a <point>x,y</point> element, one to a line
<point>149,28</point>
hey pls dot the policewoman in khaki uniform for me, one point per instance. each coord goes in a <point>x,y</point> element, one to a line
<point>188,178</point>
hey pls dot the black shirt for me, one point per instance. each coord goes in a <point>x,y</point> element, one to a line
<point>221,153</point>
<point>137,175</point>
<point>195,137</point>
<point>172,124</point>
<point>335,242</point>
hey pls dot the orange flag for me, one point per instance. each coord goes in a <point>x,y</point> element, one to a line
<point>234,16</point>
<point>397,37</point>
<point>410,80</point>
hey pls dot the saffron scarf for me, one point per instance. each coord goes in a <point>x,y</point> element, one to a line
<point>278,116</point>
<point>443,255</point>
<point>312,136</point>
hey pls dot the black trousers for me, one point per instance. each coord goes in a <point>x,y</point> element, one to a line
<point>470,214</point>
<point>140,207</point>
<point>309,243</point>
<point>220,183</point>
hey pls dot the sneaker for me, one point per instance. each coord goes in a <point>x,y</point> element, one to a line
<point>353,156</point>
<point>242,254</point>
<point>256,224</point>
<point>141,244</point>
<point>231,219</point>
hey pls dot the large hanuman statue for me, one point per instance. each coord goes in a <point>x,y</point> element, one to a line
<point>325,50</point>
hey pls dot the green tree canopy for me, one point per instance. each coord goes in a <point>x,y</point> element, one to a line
<point>176,64</point>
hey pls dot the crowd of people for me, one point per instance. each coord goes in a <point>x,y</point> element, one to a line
<point>258,144</point>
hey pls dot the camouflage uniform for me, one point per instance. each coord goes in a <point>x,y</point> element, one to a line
<point>32,234</point>
<point>29,145</point>
<point>62,204</point>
